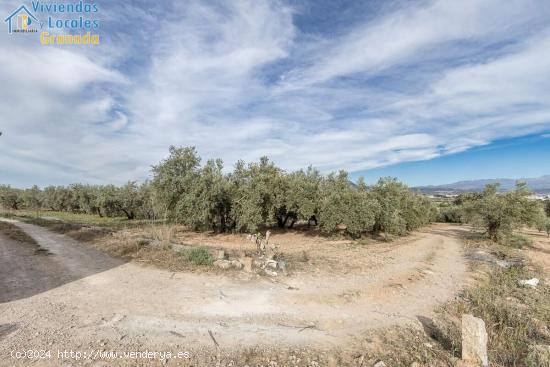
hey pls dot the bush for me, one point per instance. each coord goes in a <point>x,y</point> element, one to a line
<point>450,214</point>
<point>198,256</point>
<point>516,241</point>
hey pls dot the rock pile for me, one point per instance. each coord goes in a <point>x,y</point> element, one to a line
<point>268,257</point>
<point>266,260</point>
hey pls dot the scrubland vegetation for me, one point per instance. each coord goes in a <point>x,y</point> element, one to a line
<point>251,197</point>
<point>259,195</point>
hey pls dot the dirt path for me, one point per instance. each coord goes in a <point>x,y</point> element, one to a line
<point>81,299</point>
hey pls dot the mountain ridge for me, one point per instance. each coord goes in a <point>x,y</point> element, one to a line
<point>540,185</point>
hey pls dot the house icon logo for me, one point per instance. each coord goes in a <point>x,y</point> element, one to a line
<point>22,21</point>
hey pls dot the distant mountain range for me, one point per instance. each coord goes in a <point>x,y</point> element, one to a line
<point>540,185</point>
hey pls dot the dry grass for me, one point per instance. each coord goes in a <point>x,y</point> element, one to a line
<point>403,346</point>
<point>515,317</point>
<point>12,231</point>
<point>164,233</point>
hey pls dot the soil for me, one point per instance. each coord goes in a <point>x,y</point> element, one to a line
<point>78,298</point>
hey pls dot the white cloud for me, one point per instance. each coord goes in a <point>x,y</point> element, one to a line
<point>233,79</point>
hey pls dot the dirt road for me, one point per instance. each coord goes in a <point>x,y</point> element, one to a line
<point>80,299</point>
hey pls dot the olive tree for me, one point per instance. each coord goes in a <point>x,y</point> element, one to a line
<point>344,206</point>
<point>10,198</point>
<point>173,180</point>
<point>258,192</point>
<point>389,219</point>
<point>303,197</point>
<point>500,213</point>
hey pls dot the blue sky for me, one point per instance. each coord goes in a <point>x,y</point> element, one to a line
<point>428,91</point>
<point>509,158</point>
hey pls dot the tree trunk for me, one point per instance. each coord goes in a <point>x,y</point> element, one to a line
<point>280,222</point>
<point>129,214</point>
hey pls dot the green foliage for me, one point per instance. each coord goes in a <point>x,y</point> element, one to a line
<point>400,210</point>
<point>32,198</point>
<point>515,240</point>
<point>10,198</point>
<point>345,206</point>
<point>500,213</point>
<point>260,194</point>
<point>191,195</point>
<point>451,213</point>
<point>129,200</point>
<point>253,196</point>
<point>546,207</point>
<point>173,179</point>
<point>198,256</point>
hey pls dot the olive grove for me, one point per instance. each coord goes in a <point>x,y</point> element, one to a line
<point>249,197</point>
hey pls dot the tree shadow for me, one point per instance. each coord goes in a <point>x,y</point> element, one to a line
<point>434,332</point>
<point>27,270</point>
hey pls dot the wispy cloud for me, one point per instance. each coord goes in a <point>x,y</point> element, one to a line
<point>240,79</point>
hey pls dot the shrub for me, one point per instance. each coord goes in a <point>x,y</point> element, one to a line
<point>516,241</point>
<point>198,256</point>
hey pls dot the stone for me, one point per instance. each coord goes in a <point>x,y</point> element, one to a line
<point>533,282</point>
<point>415,364</point>
<point>271,273</point>
<point>539,355</point>
<point>221,255</point>
<point>380,364</point>
<point>247,263</point>
<point>271,264</point>
<point>474,340</point>
<point>222,264</point>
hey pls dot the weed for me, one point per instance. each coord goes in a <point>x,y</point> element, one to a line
<point>515,240</point>
<point>164,233</point>
<point>198,256</point>
<point>515,317</point>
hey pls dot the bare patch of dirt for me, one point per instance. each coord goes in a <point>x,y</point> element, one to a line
<point>539,253</point>
<point>105,303</point>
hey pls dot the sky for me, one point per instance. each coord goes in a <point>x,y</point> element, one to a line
<point>428,91</point>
